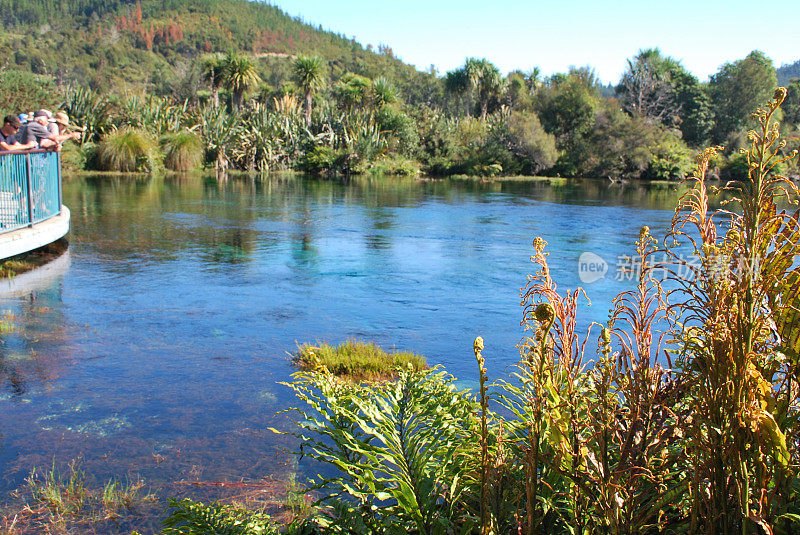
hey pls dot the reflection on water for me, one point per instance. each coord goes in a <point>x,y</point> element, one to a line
<point>157,350</point>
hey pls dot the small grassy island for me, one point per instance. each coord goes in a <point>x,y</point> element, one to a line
<point>357,360</point>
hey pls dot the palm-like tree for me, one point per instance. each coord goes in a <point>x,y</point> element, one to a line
<point>456,82</point>
<point>309,76</point>
<point>214,73</point>
<point>480,78</point>
<point>351,91</point>
<point>534,79</point>
<point>383,92</point>
<point>240,75</point>
<point>485,78</point>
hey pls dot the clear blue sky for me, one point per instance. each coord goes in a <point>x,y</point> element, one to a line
<point>556,34</point>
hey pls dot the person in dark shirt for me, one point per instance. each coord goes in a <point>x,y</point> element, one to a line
<point>8,135</point>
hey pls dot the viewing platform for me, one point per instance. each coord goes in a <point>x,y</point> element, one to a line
<point>31,213</point>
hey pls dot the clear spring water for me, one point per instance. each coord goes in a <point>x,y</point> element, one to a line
<point>155,347</point>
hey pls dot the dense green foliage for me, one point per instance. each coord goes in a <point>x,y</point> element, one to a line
<point>25,92</point>
<point>394,444</point>
<point>264,91</point>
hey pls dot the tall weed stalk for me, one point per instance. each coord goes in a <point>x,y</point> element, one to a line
<point>736,356</point>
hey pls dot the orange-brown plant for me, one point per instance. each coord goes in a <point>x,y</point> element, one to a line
<point>737,303</point>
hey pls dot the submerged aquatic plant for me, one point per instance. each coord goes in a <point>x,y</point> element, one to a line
<point>61,494</point>
<point>60,500</point>
<point>8,322</point>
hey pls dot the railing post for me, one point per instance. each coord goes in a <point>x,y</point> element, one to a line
<point>58,161</point>
<point>29,185</point>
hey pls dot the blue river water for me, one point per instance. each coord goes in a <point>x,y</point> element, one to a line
<point>154,347</point>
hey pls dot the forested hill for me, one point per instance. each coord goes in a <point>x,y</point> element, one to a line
<point>788,72</point>
<point>113,44</point>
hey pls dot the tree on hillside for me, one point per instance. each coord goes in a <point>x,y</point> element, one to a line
<point>309,77</point>
<point>791,106</point>
<point>457,83</point>
<point>737,89</point>
<point>214,73</point>
<point>352,91</point>
<point>786,73</point>
<point>694,104</point>
<point>485,78</point>
<point>239,76</point>
<point>518,94</point>
<point>567,103</point>
<point>534,79</point>
<point>528,141</point>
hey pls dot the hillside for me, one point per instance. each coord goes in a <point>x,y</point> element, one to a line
<point>788,72</point>
<point>112,45</point>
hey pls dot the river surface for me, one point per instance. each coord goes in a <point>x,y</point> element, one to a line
<point>155,347</point>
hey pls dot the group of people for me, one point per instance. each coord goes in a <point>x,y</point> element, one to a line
<point>38,130</point>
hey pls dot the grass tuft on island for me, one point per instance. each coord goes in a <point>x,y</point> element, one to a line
<point>356,360</point>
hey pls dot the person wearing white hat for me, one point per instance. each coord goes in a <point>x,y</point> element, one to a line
<point>37,130</point>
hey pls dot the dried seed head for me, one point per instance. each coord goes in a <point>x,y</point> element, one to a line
<point>478,345</point>
<point>544,313</point>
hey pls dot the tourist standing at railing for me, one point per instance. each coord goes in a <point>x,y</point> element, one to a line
<point>37,130</point>
<point>8,135</point>
<point>61,121</point>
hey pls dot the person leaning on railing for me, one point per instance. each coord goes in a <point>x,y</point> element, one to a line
<point>8,135</point>
<point>37,130</point>
<point>61,121</point>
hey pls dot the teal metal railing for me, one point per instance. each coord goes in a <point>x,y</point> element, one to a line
<point>30,188</point>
